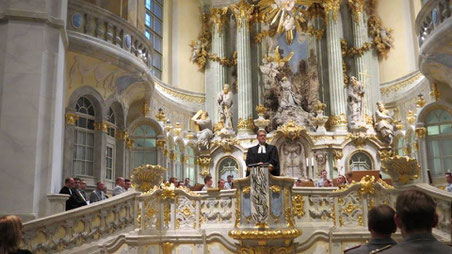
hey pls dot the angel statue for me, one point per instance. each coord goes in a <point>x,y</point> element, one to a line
<point>204,132</point>
<point>355,95</point>
<point>384,123</point>
<point>225,107</point>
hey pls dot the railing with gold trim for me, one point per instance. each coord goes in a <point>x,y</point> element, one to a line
<point>432,15</point>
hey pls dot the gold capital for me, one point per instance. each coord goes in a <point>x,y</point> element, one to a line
<point>218,18</point>
<point>71,118</point>
<point>333,7</point>
<point>243,12</point>
<point>101,126</point>
<point>356,6</point>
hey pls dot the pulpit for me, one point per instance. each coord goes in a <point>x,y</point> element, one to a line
<point>264,220</point>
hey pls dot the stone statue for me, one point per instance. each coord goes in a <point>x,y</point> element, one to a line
<point>292,154</point>
<point>384,123</point>
<point>321,159</point>
<point>204,133</point>
<point>225,106</point>
<point>355,99</point>
<point>288,98</point>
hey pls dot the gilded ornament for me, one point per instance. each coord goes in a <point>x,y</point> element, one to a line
<point>298,205</point>
<point>435,92</point>
<point>257,234</point>
<point>360,138</point>
<point>420,102</point>
<point>367,185</point>
<point>400,85</point>
<point>129,142</point>
<point>160,116</point>
<point>121,135</point>
<point>145,108</point>
<point>277,57</point>
<point>180,95</point>
<point>71,118</point>
<point>333,7</point>
<point>402,169</point>
<point>411,117</point>
<point>226,143</point>
<point>243,12</point>
<point>316,10</point>
<point>204,163</point>
<point>223,60</point>
<point>385,185</point>
<point>398,125</point>
<point>177,129</point>
<point>317,33</point>
<point>384,154</point>
<point>219,18</point>
<point>356,6</point>
<point>337,154</point>
<point>369,120</point>
<point>420,132</point>
<point>261,110</point>
<point>145,177</point>
<point>161,143</point>
<point>202,45</point>
<point>382,36</point>
<point>360,220</point>
<point>275,188</point>
<point>247,124</point>
<point>167,247</point>
<point>340,120</point>
<point>350,208</point>
<point>101,126</point>
<point>291,130</point>
<point>246,189</point>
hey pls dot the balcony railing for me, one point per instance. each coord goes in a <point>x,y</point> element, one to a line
<point>432,15</point>
<point>86,19</point>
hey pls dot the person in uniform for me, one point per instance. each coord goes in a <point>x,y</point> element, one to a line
<point>263,153</point>
<point>416,216</point>
<point>381,225</point>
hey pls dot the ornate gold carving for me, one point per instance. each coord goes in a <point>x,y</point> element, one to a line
<point>333,6</point>
<point>350,208</point>
<point>219,18</point>
<point>291,130</point>
<point>316,10</point>
<point>360,138</point>
<point>356,6</point>
<point>261,110</point>
<point>145,177</point>
<point>161,143</point>
<point>385,154</point>
<point>398,125</point>
<point>289,216</point>
<point>177,129</point>
<point>275,188</point>
<point>435,92</point>
<point>369,120</point>
<point>340,120</point>
<point>411,117</point>
<point>145,108</point>
<point>237,209</point>
<point>354,51</point>
<point>173,156</point>
<point>360,220</point>
<point>402,169</point>
<point>224,60</point>
<point>160,116</point>
<point>204,163</point>
<point>246,189</point>
<point>382,36</point>
<point>420,102</point>
<point>101,126</point>
<point>265,249</point>
<point>385,185</point>
<point>277,57</point>
<point>167,247</point>
<point>337,154</point>
<point>257,234</point>
<point>298,205</point>
<point>201,46</point>
<point>121,135</point>
<point>400,85</point>
<point>243,12</point>
<point>182,96</point>
<point>367,185</point>
<point>318,33</point>
<point>168,191</point>
<point>71,118</point>
<point>247,124</point>
<point>226,143</point>
<point>420,132</point>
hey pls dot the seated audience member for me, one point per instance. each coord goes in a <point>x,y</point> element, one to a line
<point>78,190</point>
<point>83,192</point>
<point>119,188</point>
<point>324,181</point>
<point>98,194</point>
<point>381,225</point>
<point>221,184</point>
<point>449,182</point>
<point>416,216</point>
<point>11,235</point>
<point>180,184</point>
<point>207,183</point>
<point>127,184</point>
<point>74,201</point>
<point>229,183</point>
<point>340,180</point>
<point>187,183</point>
<point>299,183</point>
<point>349,177</point>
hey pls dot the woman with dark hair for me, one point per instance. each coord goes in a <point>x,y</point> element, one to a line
<point>11,235</point>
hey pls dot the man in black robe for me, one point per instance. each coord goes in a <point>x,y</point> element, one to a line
<point>263,153</point>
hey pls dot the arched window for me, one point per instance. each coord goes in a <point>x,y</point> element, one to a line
<point>84,138</point>
<point>111,151</point>
<point>411,146</point>
<point>144,148</point>
<point>400,146</point>
<point>190,170</point>
<point>439,141</point>
<point>154,32</point>
<point>228,166</point>
<point>360,161</point>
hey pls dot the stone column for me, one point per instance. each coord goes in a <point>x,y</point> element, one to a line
<point>338,120</point>
<point>32,76</point>
<point>218,71</point>
<point>359,30</point>
<point>243,13</point>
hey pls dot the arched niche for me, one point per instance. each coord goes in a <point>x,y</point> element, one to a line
<point>228,165</point>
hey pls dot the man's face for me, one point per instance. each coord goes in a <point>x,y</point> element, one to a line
<point>121,183</point>
<point>187,181</point>
<point>127,185</point>
<point>82,185</point>
<point>449,178</point>
<point>229,179</point>
<point>209,183</point>
<point>100,186</point>
<point>71,183</point>
<point>261,137</point>
<point>77,184</point>
<point>221,185</point>
<point>324,174</point>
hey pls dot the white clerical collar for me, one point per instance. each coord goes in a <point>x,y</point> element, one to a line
<point>261,149</point>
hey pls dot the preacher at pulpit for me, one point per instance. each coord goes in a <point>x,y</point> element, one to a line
<point>263,153</point>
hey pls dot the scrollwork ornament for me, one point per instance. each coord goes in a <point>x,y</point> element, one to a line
<point>243,12</point>
<point>356,6</point>
<point>333,7</point>
<point>402,169</point>
<point>298,205</point>
<point>291,130</point>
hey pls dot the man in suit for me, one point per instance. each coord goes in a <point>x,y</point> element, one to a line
<point>263,153</point>
<point>381,225</point>
<point>119,188</point>
<point>98,194</point>
<point>73,201</point>
<point>416,216</point>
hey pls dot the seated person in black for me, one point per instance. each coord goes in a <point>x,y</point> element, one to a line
<point>263,153</point>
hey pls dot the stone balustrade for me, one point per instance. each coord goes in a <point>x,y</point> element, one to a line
<point>432,15</point>
<point>90,22</point>
<point>336,218</point>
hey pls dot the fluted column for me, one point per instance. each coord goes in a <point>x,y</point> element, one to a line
<point>359,30</point>
<point>218,18</point>
<point>243,13</point>
<point>338,120</point>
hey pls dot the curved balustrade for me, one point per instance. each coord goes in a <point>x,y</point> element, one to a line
<point>432,15</point>
<point>85,19</point>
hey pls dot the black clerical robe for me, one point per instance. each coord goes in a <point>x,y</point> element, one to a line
<point>270,156</point>
<point>73,201</point>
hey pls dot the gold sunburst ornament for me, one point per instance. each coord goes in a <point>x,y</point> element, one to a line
<point>288,14</point>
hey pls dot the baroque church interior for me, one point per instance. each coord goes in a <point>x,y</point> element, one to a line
<point>149,90</point>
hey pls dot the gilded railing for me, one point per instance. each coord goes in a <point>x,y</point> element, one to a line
<point>431,16</point>
<point>85,19</point>
<point>83,225</point>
